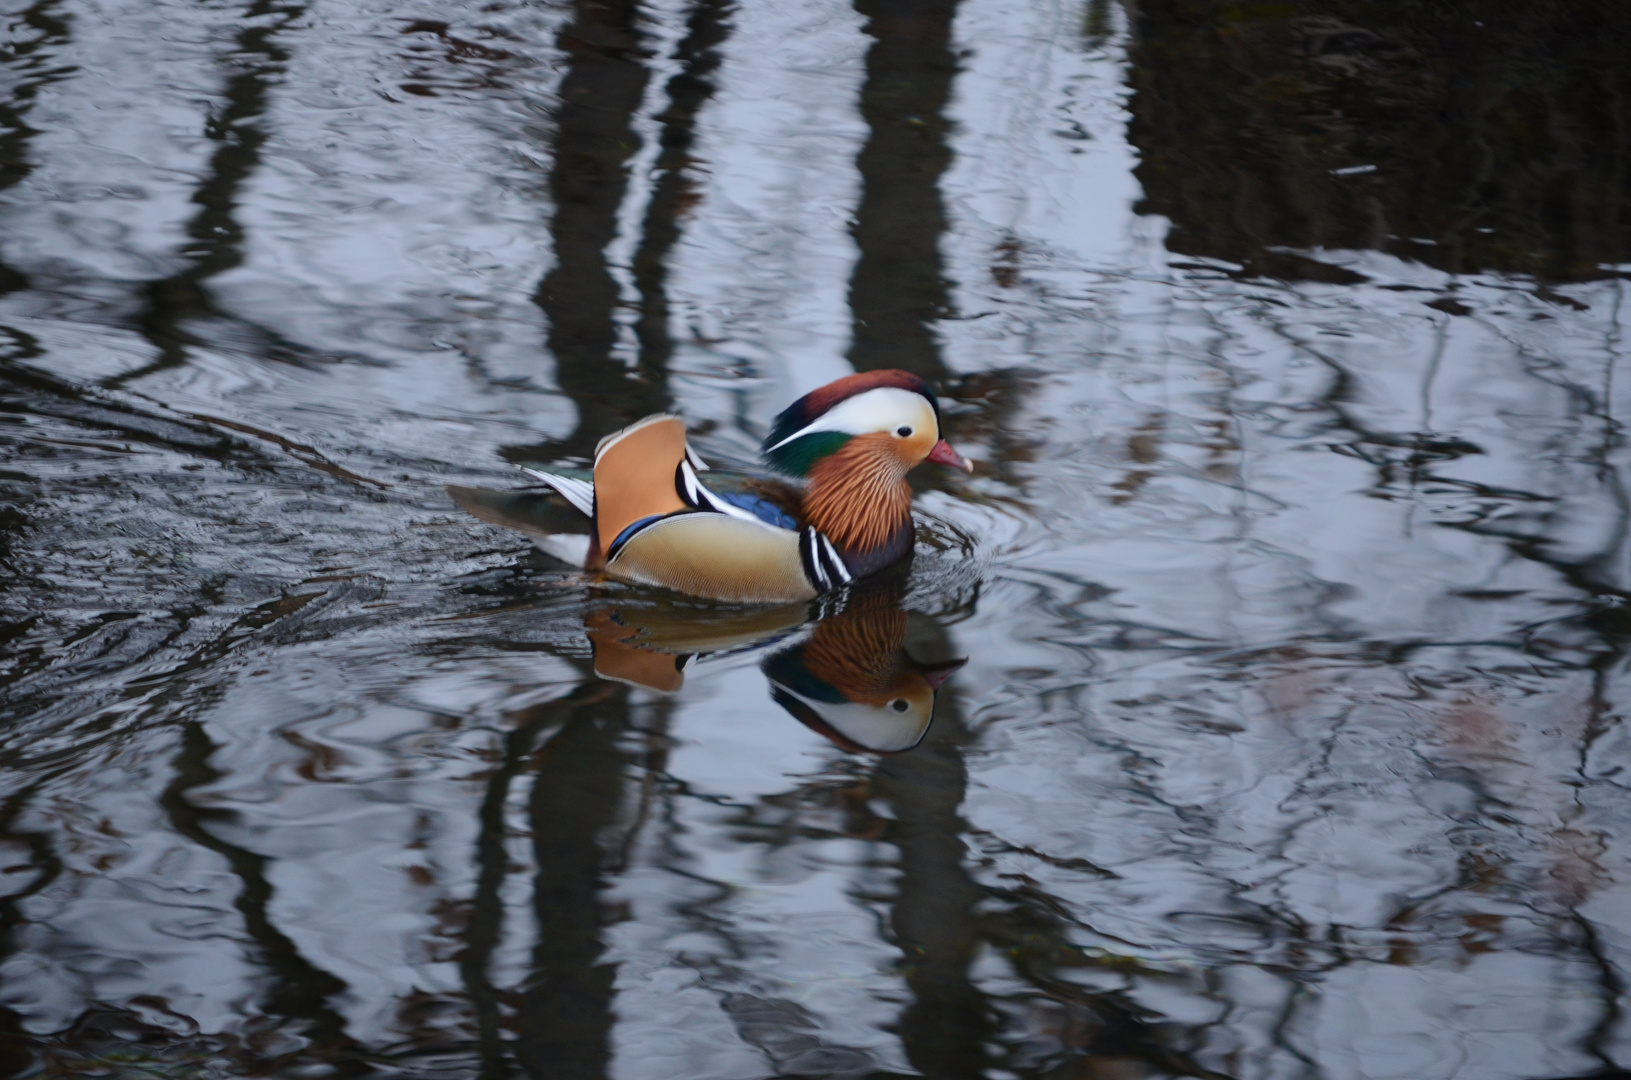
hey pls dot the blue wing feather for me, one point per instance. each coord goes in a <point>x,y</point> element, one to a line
<point>763,509</point>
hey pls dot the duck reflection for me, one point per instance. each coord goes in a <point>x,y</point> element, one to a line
<point>850,680</point>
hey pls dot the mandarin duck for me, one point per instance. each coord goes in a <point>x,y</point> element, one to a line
<point>838,510</point>
<point>852,680</point>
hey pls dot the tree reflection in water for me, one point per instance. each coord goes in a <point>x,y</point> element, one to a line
<point>1292,590</point>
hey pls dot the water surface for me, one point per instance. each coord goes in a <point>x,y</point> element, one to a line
<point>1293,583</point>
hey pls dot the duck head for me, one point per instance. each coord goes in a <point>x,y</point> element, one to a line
<point>853,441</point>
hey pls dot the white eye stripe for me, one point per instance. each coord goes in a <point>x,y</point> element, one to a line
<point>882,409</point>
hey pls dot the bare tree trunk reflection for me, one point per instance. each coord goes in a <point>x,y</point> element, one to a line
<point>16,1058</point>
<point>300,990</point>
<point>897,290</point>
<point>948,1022</point>
<point>214,237</point>
<point>15,344</point>
<point>672,195</point>
<point>15,132</point>
<point>486,924</point>
<point>593,142</point>
<point>565,1013</point>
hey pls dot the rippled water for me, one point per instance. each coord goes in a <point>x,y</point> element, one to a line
<point>1292,341</point>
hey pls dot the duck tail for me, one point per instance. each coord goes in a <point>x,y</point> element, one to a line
<point>556,529</point>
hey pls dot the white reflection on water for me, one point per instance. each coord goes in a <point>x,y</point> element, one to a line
<point>1289,739</point>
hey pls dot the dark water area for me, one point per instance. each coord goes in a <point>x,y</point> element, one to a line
<point>1480,136</point>
<point>1292,584</point>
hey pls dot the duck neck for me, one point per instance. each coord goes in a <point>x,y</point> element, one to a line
<point>859,498</point>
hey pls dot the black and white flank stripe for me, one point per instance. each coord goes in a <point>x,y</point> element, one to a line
<point>822,565</point>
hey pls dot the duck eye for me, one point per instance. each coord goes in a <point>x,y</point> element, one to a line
<point>903,431</point>
<point>899,705</point>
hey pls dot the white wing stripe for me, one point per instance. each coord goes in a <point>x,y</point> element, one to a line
<point>700,496</point>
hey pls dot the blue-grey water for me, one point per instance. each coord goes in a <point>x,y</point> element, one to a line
<point>1291,340</point>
